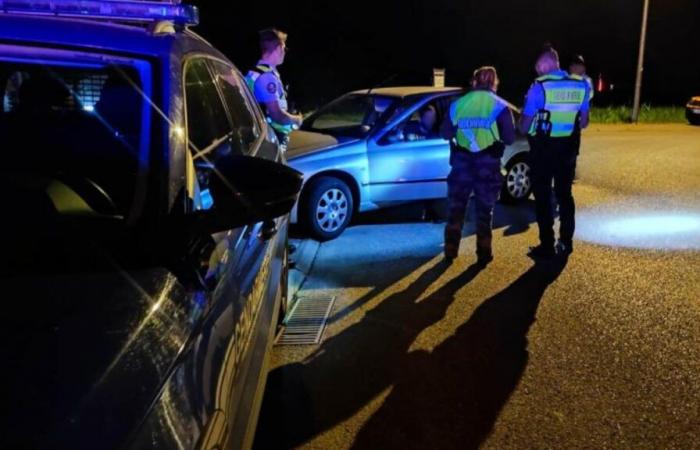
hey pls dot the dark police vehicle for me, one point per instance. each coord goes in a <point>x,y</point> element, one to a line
<point>143,234</point>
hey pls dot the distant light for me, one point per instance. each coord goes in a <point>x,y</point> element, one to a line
<point>600,86</point>
<point>89,108</point>
<point>671,230</point>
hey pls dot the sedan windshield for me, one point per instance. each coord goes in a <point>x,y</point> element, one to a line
<point>352,116</point>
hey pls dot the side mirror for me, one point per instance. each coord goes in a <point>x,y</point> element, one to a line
<point>246,190</point>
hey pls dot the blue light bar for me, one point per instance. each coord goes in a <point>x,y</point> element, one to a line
<point>129,10</point>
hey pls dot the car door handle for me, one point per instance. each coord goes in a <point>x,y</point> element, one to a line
<point>268,230</point>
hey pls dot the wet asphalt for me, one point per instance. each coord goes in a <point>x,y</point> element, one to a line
<point>598,351</point>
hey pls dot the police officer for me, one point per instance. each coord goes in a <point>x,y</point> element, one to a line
<point>556,106</point>
<point>479,126</point>
<point>265,82</point>
<point>577,71</point>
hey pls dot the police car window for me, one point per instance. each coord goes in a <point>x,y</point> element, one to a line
<point>244,127</point>
<point>351,116</point>
<point>207,122</point>
<point>77,128</point>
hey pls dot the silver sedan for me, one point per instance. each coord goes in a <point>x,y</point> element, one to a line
<point>358,154</point>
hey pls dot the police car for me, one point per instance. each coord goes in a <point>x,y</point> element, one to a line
<point>144,231</point>
<point>692,111</point>
<point>357,154</point>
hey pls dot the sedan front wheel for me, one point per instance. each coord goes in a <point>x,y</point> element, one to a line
<point>328,208</point>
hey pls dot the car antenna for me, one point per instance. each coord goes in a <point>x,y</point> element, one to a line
<point>381,83</point>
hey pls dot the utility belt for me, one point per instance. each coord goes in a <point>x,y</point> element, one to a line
<point>543,126</point>
<point>458,152</point>
<point>496,149</point>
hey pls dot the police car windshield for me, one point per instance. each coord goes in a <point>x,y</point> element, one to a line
<point>353,115</point>
<point>71,137</point>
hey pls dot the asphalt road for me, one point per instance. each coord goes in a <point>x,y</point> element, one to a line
<point>602,351</point>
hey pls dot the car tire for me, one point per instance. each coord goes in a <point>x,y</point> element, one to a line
<point>328,208</point>
<point>517,184</point>
<point>693,120</point>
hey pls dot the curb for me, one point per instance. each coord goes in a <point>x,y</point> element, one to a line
<point>303,257</point>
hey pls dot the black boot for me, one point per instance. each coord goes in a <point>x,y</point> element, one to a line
<point>541,252</point>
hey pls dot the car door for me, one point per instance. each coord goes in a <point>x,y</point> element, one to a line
<point>401,169</point>
<point>237,269</point>
<point>263,266</point>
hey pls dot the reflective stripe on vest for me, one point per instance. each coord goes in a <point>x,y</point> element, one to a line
<point>589,82</point>
<point>475,116</point>
<point>253,75</point>
<point>563,100</point>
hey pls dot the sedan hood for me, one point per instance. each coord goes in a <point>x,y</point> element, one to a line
<point>306,142</point>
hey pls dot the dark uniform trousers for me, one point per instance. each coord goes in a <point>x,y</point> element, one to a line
<point>554,159</point>
<point>472,172</point>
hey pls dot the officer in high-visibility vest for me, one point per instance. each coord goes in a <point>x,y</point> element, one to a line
<point>265,83</point>
<point>577,71</point>
<point>479,126</point>
<point>556,107</point>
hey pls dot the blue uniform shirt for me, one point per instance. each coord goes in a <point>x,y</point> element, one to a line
<point>269,88</point>
<point>534,100</point>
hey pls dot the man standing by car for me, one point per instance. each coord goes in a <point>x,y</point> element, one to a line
<point>556,107</point>
<point>424,128</point>
<point>265,83</point>
<point>479,126</point>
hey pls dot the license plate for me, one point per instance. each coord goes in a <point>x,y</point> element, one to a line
<point>696,111</point>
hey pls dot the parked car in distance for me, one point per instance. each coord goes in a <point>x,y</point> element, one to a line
<point>357,155</point>
<point>692,111</point>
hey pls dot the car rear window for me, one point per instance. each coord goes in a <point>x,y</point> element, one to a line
<point>77,126</point>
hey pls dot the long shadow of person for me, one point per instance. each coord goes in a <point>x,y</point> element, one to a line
<point>451,397</point>
<point>352,368</point>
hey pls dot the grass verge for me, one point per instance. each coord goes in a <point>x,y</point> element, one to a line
<point>647,114</point>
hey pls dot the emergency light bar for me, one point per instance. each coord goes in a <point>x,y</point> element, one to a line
<point>128,10</point>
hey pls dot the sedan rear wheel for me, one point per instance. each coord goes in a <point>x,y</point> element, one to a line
<point>518,183</point>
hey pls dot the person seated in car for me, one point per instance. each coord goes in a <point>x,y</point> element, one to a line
<point>423,128</point>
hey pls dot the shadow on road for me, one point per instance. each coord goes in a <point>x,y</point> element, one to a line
<point>451,397</point>
<point>447,398</point>
<point>353,367</point>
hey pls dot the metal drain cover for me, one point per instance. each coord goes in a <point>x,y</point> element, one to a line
<point>306,321</point>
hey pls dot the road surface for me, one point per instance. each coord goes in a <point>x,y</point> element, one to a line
<point>602,351</point>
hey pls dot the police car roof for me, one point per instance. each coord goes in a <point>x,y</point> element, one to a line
<point>84,33</point>
<point>406,91</point>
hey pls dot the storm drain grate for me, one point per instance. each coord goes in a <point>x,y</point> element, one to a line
<point>306,321</point>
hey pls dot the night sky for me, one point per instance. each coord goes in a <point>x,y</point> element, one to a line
<point>339,46</point>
